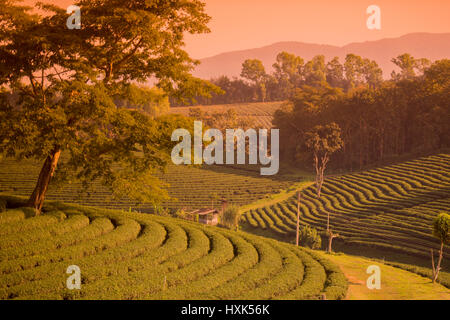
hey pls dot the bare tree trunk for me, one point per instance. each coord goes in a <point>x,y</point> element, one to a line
<point>328,221</point>
<point>298,216</point>
<point>319,187</point>
<point>320,183</point>
<point>320,171</point>
<point>330,241</point>
<point>331,236</point>
<point>37,198</point>
<point>316,166</point>
<point>438,267</point>
<point>432,264</point>
<point>360,145</point>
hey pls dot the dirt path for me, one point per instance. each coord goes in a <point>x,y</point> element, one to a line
<point>396,284</point>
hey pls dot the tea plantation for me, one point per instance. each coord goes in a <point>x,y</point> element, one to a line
<point>125,255</point>
<point>390,208</point>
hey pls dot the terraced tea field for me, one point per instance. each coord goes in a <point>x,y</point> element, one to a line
<point>259,114</point>
<point>125,255</point>
<point>389,208</point>
<point>189,187</point>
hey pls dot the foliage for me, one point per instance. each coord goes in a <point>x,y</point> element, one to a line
<point>260,115</point>
<point>219,120</point>
<point>189,187</point>
<point>409,67</point>
<point>309,237</point>
<point>253,70</point>
<point>152,101</point>
<point>59,88</point>
<point>291,72</point>
<point>323,141</point>
<point>441,228</point>
<point>395,118</point>
<point>136,256</point>
<point>391,208</point>
<point>230,217</point>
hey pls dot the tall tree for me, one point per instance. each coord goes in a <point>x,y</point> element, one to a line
<point>409,67</point>
<point>372,73</point>
<point>377,121</point>
<point>315,71</point>
<point>287,71</point>
<point>298,218</point>
<point>354,71</point>
<point>335,73</point>
<point>288,66</point>
<point>323,141</point>
<point>58,89</point>
<point>254,71</point>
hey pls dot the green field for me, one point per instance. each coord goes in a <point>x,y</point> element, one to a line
<point>125,255</point>
<point>389,208</point>
<point>385,213</point>
<point>259,114</point>
<point>189,187</point>
<point>396,284</point>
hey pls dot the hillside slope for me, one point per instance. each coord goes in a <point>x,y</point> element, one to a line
<point>138,256</point>
<point>190,187</point>
<point>396,284</point>
<point>259,114</point>
<point>390,208</point>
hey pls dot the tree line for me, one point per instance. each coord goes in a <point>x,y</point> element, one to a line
<point>290,72</point>
<point>405,115</point>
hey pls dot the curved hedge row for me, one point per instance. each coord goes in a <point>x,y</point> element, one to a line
<point>190,187</point>
<point>126,255</point>
<point>390,207</point>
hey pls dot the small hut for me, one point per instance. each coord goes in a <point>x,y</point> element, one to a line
<point>207,216</point>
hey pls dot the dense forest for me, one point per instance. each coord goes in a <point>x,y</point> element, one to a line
<point>408,114</point>
<point>378,118</point>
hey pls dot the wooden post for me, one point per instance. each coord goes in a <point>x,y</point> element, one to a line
<point>298,215</point>
<point>328,221</point>
<point>432,265</point>
<point>438,268</point>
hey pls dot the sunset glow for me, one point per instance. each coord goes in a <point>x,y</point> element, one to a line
<point>244,24</point>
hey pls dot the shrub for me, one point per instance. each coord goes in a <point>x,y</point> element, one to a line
<point>309,237</point>
<point>230,217</point>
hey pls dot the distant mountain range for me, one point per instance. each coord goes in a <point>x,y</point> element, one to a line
<point>420,45</point>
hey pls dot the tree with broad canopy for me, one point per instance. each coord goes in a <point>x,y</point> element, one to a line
<point>58,89</point>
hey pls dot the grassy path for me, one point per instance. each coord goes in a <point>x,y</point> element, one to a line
<point>276,198</point>
<point>396,284</point>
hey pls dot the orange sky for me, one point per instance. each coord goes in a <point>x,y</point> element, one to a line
<point>244,24</point>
